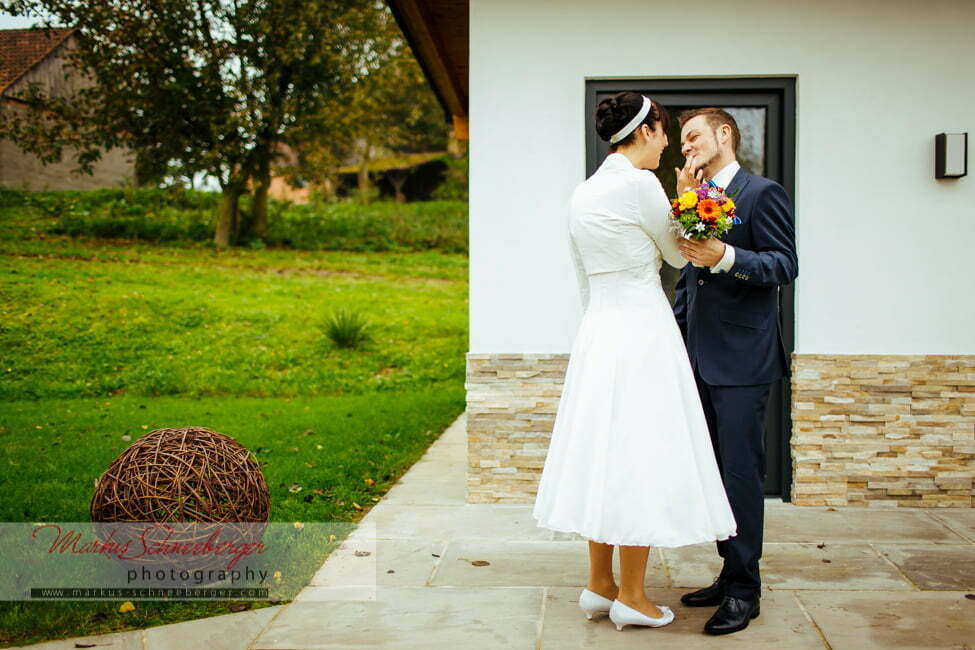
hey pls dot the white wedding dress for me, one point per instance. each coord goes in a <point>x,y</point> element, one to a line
<point>630,460</point>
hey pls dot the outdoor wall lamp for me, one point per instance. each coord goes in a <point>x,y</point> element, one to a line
<point>950,155</point>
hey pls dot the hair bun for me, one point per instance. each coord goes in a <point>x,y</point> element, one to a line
<point>613,113</point>
<point>608,118</point>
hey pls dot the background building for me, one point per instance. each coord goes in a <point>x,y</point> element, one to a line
<point>39,55</point>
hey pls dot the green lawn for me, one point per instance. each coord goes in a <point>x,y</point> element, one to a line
<point>103,339</point>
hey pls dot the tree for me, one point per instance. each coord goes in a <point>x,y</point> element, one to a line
<point>205,85</point>
<point>389,107</point>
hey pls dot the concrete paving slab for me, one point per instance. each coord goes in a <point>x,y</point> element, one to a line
<point>116,641</point>
<point>402,563</point>
<point>227,632</point>
<point>793,566</point>
<point>468,521</point>
<point>427,492</point>
<point>515,564</point>
<point>816,525</point>
<point>934,567</point>
<point>412,617</point>
<point>438,469</point>
<point>960,520</point>
<point>693,566</point>
<point>781,624</point>
<point>881,619</point>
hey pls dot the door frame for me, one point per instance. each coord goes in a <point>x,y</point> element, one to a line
<point>733,91</point>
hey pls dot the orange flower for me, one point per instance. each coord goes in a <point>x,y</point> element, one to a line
<point>708,209</point>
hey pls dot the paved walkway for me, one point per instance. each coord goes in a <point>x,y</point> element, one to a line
<point>441,573</point>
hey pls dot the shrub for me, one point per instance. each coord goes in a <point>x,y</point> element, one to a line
<point>179,214</point>
<point>346,329</point>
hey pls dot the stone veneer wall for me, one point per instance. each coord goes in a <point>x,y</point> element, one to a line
<point>883,430</point>
<point>512,400</point>
<point>867,430</point>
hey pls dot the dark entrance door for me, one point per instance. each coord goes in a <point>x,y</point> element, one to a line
<point>765,112</point>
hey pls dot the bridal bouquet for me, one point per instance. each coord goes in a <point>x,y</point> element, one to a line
<point>703,212</point>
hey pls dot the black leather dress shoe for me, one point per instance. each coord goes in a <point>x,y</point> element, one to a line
<point>733,615</point>
<point>707,597</point>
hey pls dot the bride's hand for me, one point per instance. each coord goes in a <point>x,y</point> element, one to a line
<point>688,177</point>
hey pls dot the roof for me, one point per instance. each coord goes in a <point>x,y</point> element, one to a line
<point>438,34</point>
<point>402,161</point>
<point>22,49</point>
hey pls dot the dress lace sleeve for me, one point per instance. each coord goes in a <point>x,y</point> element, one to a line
<point>655,218</point>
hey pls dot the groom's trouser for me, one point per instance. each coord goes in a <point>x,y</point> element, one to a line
<point>736,420</point>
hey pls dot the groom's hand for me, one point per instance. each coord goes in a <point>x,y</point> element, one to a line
<point>707,252</point>
<point>690,176</point>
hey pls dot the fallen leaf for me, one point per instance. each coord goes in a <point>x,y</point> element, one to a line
<point>356,506</point>
<point>127,606</point>
<point>369,482</point>
<point>85,645</point>
<point>362,553</point>
<point>319,447</point>
<point>481,563</point>
<point>299,525</point>
<point>309,432</point>
<point>239,607</point>
<point>126,437</point>
<point>390,571</point>
<point>827,561</point>
<point>294,487</point>
<point>435,554</point>
<point>970,596</point>
<point>319,491</point>
<point>820,545</point>
<point>309,464</point>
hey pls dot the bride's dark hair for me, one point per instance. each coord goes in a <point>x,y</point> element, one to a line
<point>613,113</point>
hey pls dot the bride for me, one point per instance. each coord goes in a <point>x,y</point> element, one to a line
<point>630,461</point>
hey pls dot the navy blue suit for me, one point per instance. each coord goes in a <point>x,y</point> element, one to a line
<point>731,327</point>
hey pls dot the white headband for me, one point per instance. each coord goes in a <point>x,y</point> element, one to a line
<point>632,124</point>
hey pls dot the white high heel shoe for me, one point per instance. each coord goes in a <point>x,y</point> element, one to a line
<point>592,603</point>
<point>622,615</point>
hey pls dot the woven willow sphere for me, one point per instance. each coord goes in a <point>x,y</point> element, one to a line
<point>189,474</point>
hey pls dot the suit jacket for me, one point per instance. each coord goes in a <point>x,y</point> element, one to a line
<point>730,320</point>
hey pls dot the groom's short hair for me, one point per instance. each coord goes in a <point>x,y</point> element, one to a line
<point>716,117</point>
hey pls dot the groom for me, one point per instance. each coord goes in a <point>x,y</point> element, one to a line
<point>728,314</point>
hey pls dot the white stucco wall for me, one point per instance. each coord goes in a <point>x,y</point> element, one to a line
<point>882,271</point>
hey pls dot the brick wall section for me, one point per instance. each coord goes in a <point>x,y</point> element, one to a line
<point>881,430</point>
<point>877,430</point>
<point>512,400</point>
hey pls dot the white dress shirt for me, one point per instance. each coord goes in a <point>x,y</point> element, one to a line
<point>619,218</point>
<point>722,179</point>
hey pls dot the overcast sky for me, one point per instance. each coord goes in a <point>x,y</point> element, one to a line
<point>15,22</point>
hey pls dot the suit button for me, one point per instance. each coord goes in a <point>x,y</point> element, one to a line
<point>700,282</point>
